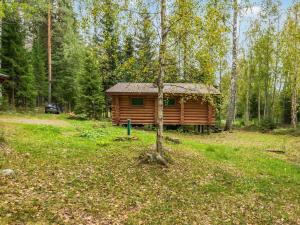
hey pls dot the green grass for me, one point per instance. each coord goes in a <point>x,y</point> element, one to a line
<point>74,173</point>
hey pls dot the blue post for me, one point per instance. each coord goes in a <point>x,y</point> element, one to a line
<point>129,127</point>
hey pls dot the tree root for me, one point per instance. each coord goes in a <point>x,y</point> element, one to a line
<point>153,157</point>
<point>172,140</point>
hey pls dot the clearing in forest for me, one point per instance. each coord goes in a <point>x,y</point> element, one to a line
<point>78,174</point>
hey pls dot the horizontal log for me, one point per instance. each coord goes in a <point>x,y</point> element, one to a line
<point>139,119</point>
<point>175,110</point>
<point>136,108</point>
<point>195,116</point>
<point>136,114</point>
<point>199,120</point>
<point>138,122</point>
<point>196,110</point>
<point>171,118</point>
<point>196,113</point>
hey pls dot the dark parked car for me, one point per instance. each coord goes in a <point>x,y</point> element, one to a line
<point>52,108</point>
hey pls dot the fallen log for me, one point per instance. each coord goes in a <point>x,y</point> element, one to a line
<point>275,151</point>
<point>129,138</point>
<point>173,140</point>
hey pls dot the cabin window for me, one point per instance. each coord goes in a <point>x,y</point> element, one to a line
<point>137,101</point>
<point>169,102</point>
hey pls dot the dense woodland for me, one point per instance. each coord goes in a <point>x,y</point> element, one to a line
<point>96,44</point>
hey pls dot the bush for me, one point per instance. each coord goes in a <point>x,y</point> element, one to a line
<point>73,116</point>
<point>2,138</point>
<point>267,124</point>
<point>92,133</point>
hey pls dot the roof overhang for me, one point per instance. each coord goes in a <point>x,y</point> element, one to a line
<point>178,89</point>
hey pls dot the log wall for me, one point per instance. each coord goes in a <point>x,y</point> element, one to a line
<point>192,112</point>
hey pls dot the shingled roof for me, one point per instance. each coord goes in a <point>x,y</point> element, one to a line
<point>169,88</point>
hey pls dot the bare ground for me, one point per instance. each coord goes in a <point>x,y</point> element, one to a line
<point>53,122</point>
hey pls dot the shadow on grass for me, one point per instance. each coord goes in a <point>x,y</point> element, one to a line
<point>287,131</point>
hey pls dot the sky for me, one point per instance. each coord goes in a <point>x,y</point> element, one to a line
<point>252,13</point>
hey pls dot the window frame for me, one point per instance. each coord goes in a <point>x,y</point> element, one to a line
<point>133,98</point>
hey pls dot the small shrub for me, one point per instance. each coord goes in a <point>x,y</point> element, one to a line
<point>267,124</point>
<point>103,143</point>
<point>210,149</point>
<point>92,133</point>
<point>2,138</point>
<point>73,116</point>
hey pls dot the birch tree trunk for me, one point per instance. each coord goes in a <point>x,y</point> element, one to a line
<point>295,82</point>
<point>258,105</point>
<point>275,70</point>
<point>294,103</point>
<point>233,81</point>
<point>162,49</point>
<point>247,103</point>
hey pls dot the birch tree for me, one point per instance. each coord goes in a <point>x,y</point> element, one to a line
<point>233,81</point>
<point>291,57</point>
<point>160,80</point>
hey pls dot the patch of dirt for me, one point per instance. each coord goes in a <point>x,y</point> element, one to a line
<point>60,123</point>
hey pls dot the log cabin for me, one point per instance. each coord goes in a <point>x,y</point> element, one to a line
<point>184,103</point>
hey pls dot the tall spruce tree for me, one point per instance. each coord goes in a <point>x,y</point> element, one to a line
<point>13,54</point>
<point>66,54</point>
<point>39,65</point>
<point>147,66</point>
<point>27,88</point>
<point>90,100</point>
<point>128,65</point>
<point>108,41</point>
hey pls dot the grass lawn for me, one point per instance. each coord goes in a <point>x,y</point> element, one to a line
<point>72,172</point>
